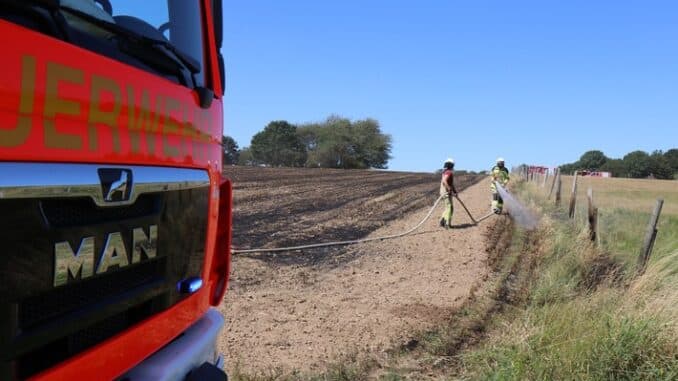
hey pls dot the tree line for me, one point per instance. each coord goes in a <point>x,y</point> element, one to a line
<point>336,142</point>
<point>636,164</point>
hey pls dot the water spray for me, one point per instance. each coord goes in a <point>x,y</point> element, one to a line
<point>520,213</point>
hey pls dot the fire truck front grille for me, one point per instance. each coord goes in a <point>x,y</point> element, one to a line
<point>83,211</point>
<point>44,307</point>
<point>65,347</point>
<point>78,270</point>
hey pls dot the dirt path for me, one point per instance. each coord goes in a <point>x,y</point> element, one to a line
<point>373,296</point>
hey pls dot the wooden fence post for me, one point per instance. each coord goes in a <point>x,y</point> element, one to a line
<point>593,216</point>
<point>559,184</point>
<point>573,195</point>
<point>556,172</point>
<point>546,176</point>
<point>650,236</point>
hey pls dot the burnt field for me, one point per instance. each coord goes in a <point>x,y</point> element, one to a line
<point>301,311</point>
<point>276,207</point>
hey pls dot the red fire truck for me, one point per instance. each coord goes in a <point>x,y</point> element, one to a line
<point>115,218</point>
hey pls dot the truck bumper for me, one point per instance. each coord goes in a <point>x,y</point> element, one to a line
<point>192,353</point>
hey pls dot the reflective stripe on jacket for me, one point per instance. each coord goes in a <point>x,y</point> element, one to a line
<point>500,175</point>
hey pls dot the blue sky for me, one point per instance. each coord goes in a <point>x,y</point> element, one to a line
<point>534,81</point>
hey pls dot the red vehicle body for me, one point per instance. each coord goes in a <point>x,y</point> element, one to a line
<point>67,104</point>
<point>585,172</point>
<point>537,169</point>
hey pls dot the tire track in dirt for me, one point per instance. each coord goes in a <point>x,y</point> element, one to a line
<point>362,298</point>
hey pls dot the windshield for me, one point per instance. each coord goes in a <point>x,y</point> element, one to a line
<point>173,27</point>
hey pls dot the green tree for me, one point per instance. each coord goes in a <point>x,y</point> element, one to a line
<point>672,158</point>
<point>245,157</point>
<point>229,150</point>
<point>568,169</point>
<point>371,147</point>
<point>638,163</point>
<point>334,147</point>
<point>278,145</point>
<point>616,167</point>
<point>339,143</point>
<point>659,166</point>
<point>326,143</point>
<point>592,160</point>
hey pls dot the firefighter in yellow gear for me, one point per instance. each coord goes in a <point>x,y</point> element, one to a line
<point>500,175</point>
<point>448,191</point>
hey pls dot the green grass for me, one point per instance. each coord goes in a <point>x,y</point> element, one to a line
<point>577,340</point>
<point>589,315</point>
<point>622,233</point>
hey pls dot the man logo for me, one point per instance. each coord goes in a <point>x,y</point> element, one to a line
<point>116,184</point>
<point>114,254</point>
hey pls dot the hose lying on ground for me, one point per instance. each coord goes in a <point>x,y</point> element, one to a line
<point>354,241</point>
<point>483,218</point>
<point>466,209</point>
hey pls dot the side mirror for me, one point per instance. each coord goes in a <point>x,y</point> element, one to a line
<point>217,14</point>
<point>222,73</point>
<point>205,95</point>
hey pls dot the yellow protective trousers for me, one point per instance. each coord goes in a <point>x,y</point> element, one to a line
<point>447,212</point>
<point>497,202</point>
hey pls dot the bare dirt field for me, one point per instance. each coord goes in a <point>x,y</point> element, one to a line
<point>302,310</point>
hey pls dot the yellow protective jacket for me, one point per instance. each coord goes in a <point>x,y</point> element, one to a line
<point>500,175</point>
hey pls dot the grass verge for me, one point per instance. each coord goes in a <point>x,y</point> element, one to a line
<point>587,315</point>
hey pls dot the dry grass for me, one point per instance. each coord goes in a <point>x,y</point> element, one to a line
<point>589,315</point>
<point>631,194</point>
<point>625,206</point>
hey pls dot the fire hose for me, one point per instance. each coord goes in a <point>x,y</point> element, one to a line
<point>355,241</point>
<point>475,222</point>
